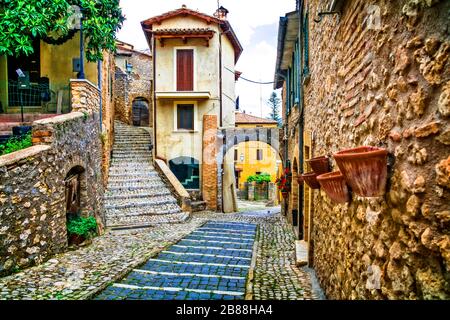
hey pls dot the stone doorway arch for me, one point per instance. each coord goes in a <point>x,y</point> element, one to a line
<point>140,112</point>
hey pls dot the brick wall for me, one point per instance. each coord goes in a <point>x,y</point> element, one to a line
<point>209,164</point>
<point>380,76</point>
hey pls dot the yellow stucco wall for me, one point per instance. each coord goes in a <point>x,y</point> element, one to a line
<point>55,64</point>
<point>270,162</point>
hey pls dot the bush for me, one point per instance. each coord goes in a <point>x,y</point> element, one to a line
<point>259,178</point>
<point>85,227</point>
<point>15,144</point>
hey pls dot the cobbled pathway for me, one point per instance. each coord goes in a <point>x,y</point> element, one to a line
<point>211,263</point>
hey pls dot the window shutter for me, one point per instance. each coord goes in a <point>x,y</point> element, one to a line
<point>185,70</point>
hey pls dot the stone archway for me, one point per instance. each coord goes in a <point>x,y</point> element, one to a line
<point>140,112</point>
<point>227,139</point>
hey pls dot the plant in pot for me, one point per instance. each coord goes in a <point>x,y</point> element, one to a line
<point>335,186</point>
<point>310,179</point>
<point>364,169</point>
<point>320,164</point>
<point>285,192</point>
<point>80,229</point>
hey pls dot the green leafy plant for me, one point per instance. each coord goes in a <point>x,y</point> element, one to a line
<point>85,227</point>
<point>259,178</point>
<point>25,20</point>
<point>15,144</point>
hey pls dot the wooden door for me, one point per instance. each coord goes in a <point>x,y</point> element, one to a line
<point>185,70</point>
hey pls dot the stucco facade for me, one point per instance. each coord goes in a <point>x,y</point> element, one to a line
<point>185,29</point>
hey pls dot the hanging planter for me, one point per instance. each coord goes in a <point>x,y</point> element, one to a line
<point>364,169</point>
<point>320,165</point>
<point>311,180</point>
<point>299,179</point>
<point>285,194</point>
<point>335,186</point>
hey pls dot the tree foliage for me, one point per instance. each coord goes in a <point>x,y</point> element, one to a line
<point>274,104</point>
<point>259,178</point>
<point>23,20</point>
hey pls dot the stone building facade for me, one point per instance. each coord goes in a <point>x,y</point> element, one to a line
<point>133,85</point>
<point>33,182</point>
<point>379,76</point>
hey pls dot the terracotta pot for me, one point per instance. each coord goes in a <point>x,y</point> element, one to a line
<point>364,169</point>
<point>311,180</point>
<point>320,165</point>
<point>285,195</point>
<point>335,186</point>
<point>299,179</point>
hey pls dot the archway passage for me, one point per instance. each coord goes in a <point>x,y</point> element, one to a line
<point>187,171</point>
<point>140,112</point>
<point>228,140</point>
<point>73,191</point>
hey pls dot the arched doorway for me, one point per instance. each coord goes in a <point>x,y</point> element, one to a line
<point>74,186</point>
<point>140,112</point>
<point>187,171</point>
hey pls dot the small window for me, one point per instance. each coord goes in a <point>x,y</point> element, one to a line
<point>235,155</point>
<point>185,117</point>
<point>259,154</point>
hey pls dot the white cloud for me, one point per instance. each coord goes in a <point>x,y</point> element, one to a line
<point>246,16</point>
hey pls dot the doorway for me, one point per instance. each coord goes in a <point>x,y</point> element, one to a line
<point>140,112</point>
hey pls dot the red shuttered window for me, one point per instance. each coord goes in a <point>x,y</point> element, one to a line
<point>185,70</point>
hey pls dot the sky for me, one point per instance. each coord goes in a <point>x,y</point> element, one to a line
<point>254,21</point>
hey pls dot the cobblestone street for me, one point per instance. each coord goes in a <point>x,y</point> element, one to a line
<point>85,273</point>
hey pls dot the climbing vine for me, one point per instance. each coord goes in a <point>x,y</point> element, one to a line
<point>51,20</point>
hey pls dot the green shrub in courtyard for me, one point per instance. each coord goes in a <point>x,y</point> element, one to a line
<point>259,178</point>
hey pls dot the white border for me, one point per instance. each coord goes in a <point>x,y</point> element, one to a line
<point>175,67</point>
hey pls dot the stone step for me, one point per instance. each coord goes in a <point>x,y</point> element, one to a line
<point>198,206</point>
<point>146,220</point>
<point>137,186</point>
<point>134,180</point>
<point>131,168</point>
<point>137,203</point>
<point>137,194</point>
<point>133,175</point>
<point>165,208</point>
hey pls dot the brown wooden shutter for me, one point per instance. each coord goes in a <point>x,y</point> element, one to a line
<point>185,70</point>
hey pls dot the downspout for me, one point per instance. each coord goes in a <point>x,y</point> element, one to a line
<point>301,113</point>
<point>100,87</point>
<point>220,80</point>
<point>155,140</point>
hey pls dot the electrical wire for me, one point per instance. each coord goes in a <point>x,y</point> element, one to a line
<point>251,81</point>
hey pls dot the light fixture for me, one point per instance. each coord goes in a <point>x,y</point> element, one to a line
<point>129,67</point>
<point>334,8</point>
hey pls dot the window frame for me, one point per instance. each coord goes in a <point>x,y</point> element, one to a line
<point>175,117</point>
<point>259,152</point>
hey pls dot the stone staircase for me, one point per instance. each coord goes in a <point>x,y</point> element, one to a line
<point>136,196</point>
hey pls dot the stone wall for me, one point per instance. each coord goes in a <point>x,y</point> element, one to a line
<point>32,182</point>
<point>380,76</point>
<point>136,85</point>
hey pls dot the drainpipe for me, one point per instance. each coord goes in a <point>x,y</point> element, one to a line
<point>301,111</point>
<point>220,79</point>
<point>100,87</point>
<point>155,140</point>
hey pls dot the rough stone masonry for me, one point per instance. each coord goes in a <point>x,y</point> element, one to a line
<point>380,76</point>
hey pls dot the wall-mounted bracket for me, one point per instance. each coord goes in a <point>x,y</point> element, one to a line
<point>321,14</point>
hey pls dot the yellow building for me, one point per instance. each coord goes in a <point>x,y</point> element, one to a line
<point>49,66</point>
<point>254,157</point>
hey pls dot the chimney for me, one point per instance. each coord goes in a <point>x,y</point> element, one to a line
<point>183,6</point>
<point>221,13</point>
